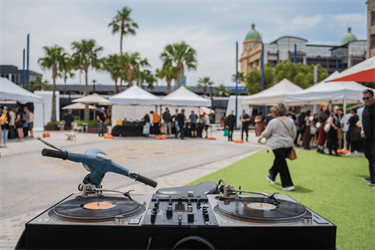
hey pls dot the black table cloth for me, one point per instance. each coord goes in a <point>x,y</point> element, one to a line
<point>128,129</point>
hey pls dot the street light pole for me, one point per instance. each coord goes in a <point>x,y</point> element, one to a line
<point>236,83</point>
<point>94,81</point>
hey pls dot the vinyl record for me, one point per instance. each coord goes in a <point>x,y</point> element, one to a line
<point>96,209</point>
<point>262,210</point>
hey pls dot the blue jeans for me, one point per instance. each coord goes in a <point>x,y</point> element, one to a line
<point>12,133</point>
<point>100,128</point>
<point>177,129</point>
<point>4,136</point>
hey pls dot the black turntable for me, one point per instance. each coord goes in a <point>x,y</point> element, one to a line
<point>204,216</point>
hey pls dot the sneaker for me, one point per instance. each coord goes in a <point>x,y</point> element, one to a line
<point>349,154</point>
<point>290,188</point>
<point>355,153</point>
<point>367,179</point>
<point>371,184</point>
<point>272,181</point>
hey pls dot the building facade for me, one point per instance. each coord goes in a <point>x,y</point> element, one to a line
<point>16,75</point>
<point>370,28</point>
<point>331,57</point>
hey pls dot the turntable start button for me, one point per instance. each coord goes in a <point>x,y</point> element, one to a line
<point>227,222</point>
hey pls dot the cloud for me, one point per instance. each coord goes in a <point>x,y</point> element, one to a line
<point>223,6</point>
<point>299,23</point>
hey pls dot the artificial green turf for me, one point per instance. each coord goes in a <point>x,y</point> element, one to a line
<point>331,186</point>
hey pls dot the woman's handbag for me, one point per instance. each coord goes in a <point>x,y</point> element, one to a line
<point>318,124</point>
<point>293,155</point>
<point>327,127</point>
<point>226,132</point>
<point>313,130</point>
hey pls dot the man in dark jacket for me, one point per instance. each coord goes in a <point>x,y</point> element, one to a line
<point>167,121</point>
<point>181,123</point>
<point>231,123</point>
<point>368,133</point>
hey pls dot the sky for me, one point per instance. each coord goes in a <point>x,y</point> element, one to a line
<point>212,28</point>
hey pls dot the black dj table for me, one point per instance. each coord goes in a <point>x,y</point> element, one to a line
<point>128,129</point>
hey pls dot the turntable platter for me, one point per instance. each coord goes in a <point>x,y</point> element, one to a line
<point>96,209</point>
<point>261,210</point>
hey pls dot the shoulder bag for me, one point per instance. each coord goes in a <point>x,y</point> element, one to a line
<point>293,155</point>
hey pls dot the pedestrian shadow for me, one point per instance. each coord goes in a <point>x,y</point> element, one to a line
<point>362,176</point>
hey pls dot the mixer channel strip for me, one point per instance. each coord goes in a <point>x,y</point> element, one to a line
<point>177,210</point>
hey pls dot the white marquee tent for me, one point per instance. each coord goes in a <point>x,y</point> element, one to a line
<point>11,91</point>
<point>132,104</point>
<point>273,95</point>
<point>326,91</point>
<point>184,97</point>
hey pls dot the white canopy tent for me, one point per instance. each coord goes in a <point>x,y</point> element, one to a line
<point>11,91</point>
<point>132,104</point>
<point>240,107</point>
<point>326,91</point>
<point>273,95</point>
<point>184,97</point>
<point>135,96</point>
<point>78,105</point>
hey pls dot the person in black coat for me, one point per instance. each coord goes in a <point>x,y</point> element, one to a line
<point>230,124</point>
<point>354,132</point>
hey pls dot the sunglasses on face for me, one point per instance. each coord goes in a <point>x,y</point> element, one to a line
<point>366,98</point>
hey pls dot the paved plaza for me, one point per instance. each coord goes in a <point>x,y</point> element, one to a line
<point>30,183</point>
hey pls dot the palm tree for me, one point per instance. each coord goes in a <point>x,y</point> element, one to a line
<point>222,91</point>
<point>111,64</point>
<point>167,72</point>
<point>147,77</point>
<point>180,55</point>
<point>203,83</point>
<point>86,55</point>
<point>241,77</point>
<point>124,24</point>
<point>38,84</point>
<point>54,60</point>
<point>67,69</point>
<point>130,64</point>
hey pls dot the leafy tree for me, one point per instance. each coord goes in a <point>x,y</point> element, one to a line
<point>203,83</point>
<point>54,59</point>
<point>130,64</point>
<point>180,55</point>
<point>188,87</point>
<point>111,65</point>
<point>38,84</point>
<point>167,72</point>
<point>86,55</point>
<point>241,77</point>
<point>254,77</point>
<point>222,91</point>
<point>299,74</point>
<point>67,68</point>
<point>124,24</point>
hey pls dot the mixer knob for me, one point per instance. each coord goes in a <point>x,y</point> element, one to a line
<point>206,217</point>
<point>153,216</point>
<point>190,193</point>
<point>170,202</point>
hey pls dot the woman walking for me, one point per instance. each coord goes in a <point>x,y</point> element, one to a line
<point>353,136</point>
<point>259,124</point>
<point>323,135</point>
<point>307,133</point>
<point>280,134</point>
<point>19,123</point>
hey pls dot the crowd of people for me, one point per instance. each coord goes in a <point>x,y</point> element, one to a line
<point>286,129</point>
<point>179,124</point>
<point>16,124</point>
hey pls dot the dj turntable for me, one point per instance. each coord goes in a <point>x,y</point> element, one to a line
<point>204,216</point>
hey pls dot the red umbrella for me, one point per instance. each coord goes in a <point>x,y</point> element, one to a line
<point>361,72</point>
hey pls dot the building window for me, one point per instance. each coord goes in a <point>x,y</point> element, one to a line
<point>372,18</point>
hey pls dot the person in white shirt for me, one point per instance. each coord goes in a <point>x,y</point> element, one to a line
<point>345,127</point>
<point>206,120</point>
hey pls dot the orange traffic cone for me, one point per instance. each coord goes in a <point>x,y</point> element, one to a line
<point>46,134</point>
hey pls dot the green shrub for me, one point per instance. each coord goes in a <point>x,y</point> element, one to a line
<point>80,122</point>
<point>93,123</point>
<point>53,123</point>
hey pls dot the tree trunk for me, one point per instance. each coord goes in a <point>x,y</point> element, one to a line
<point>53,113</point>
<point>130,77</point>
<point>116,79</point>
<point>120,85</point>
<point>65,85</point>
<point>87,111</point>
<point>121,35</point>
<point>169,82</point>
<point>178,69</point>
<point>204,90</point>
